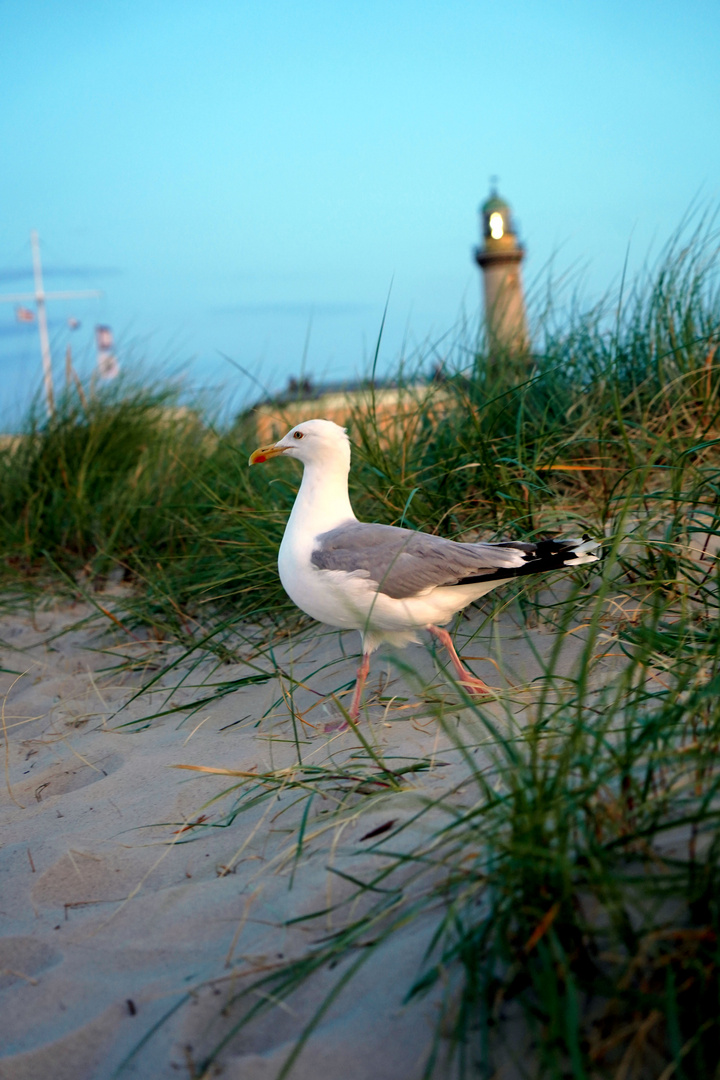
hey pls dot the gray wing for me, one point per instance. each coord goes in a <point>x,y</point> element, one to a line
<point>404,563</point>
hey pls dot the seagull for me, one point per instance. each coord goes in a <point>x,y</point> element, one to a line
<point>387,582</point>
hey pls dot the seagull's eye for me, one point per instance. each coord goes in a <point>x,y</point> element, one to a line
<point>298,435</point>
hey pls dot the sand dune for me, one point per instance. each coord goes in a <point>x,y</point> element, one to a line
<point>118,896</point>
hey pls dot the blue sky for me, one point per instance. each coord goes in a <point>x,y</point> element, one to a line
<point>249,178</point>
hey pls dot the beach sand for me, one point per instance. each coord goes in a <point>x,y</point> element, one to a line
<point>120,895</point>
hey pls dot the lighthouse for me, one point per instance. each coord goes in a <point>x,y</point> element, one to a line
<point>499,257</point>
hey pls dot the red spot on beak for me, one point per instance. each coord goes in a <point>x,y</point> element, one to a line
<point>259,459</point>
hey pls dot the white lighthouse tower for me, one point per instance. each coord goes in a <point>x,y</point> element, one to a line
<point>499,257</point>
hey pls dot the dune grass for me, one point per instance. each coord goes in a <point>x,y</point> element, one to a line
<point>573,883</point>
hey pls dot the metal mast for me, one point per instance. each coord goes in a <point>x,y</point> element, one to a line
<point>40,297</point>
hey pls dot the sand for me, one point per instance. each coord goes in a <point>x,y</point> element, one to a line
<point>117,895</point>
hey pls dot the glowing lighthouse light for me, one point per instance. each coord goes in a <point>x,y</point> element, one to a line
<point>497,228</point>
<point>499,257</point>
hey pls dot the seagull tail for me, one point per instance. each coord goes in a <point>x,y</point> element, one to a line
<point>574,551</point>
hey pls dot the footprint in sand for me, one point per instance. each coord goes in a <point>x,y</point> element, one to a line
<point>23,958</point>
<point>62,778</point>
<point>82,878</point>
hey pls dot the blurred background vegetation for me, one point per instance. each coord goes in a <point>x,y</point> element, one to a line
<point>132,480</point>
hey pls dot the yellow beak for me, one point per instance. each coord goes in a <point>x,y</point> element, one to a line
<point>264,452</point>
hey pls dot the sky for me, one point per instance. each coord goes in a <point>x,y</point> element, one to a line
<point>250,183</point>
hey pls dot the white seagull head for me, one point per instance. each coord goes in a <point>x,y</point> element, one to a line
<point>314,442</point>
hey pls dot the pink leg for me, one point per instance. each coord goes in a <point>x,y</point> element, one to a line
<point>362,674</point>
<point>472,684</point>
<point>354,710</point>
